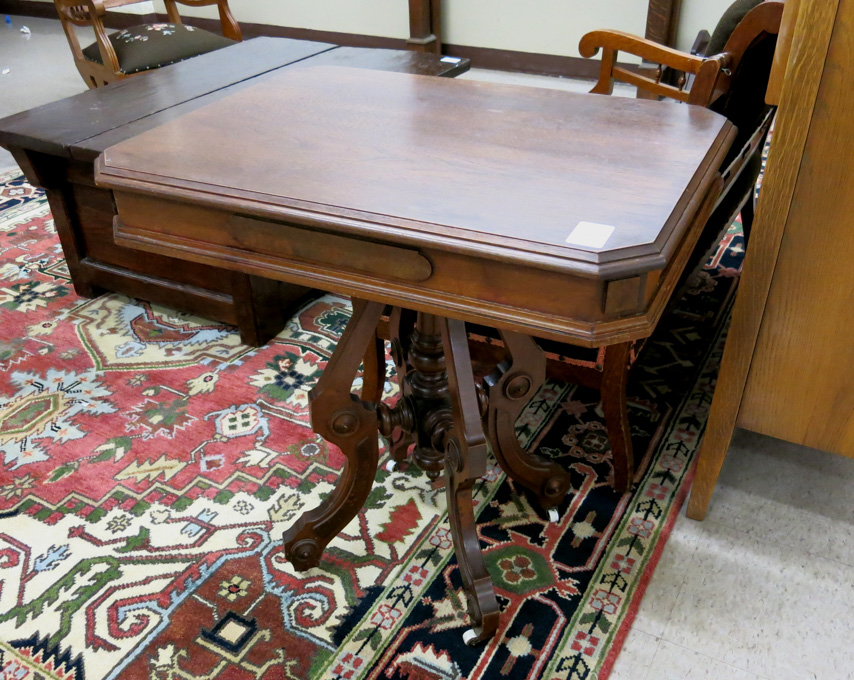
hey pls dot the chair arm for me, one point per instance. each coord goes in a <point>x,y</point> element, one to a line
<point>642,47</point>
<point>230,27</point>
<point>97,10</point>
<point>706,70</point>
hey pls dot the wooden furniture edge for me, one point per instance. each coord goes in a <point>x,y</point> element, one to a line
<point>459,307</point>
<point>812,37</point>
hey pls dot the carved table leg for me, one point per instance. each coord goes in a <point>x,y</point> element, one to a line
<point>509,388</point>
<point>427,387</point>
<point>373,371</point>
<point>343,419</point>
<point>397,424</point>
<point>465,462</point>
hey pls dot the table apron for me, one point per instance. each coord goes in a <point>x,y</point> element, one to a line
<point>544,303</point>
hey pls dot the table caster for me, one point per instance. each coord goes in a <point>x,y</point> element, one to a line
<point>470,637</point>
<point>391,465</point>
<point>554,516</point>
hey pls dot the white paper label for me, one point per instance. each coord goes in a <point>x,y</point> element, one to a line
<point>450,60</point>
<point>590,234</point>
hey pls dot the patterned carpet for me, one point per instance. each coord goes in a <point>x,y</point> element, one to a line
<point>150,463</point>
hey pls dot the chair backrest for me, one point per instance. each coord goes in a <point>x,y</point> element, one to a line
<point>742,46</point>
<point>750,47</point>
<point>728,22</point>
<point>748,35</point>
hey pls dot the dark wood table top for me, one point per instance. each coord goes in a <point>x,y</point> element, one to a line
<point>82,126</point>
<point>479,164</point>
<point>588,186</point>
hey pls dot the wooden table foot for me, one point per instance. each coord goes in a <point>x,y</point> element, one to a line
<point>509,388</point>
<point>350,424</point>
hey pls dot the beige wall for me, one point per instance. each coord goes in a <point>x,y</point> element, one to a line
<point>542,26</point>
<point>698,15</point>
<point>387,18</point>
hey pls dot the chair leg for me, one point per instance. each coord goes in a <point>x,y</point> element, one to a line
<point>613,390</point>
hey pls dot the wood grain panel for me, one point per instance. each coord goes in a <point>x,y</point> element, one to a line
<point>801,384</point>
<point>662,20</point>
<point>798,100</point>
<point>783,52</point>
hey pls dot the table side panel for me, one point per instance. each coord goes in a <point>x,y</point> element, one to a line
<point>93,210</point>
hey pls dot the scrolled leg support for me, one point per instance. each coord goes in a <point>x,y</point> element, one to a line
<point>509,388</point>
<point>465,463</point>
<point>351,424</point>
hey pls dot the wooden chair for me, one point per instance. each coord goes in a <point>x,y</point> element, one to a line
<point>138,48</point>
<point>731,80</point>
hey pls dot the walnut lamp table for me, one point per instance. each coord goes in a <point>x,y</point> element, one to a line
<point>537,212</point>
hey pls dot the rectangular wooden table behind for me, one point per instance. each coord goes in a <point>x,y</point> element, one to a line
<point>57,144</point>
<point>538,212</point>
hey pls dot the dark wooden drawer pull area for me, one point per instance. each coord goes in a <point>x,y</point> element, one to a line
<point>327,249</point>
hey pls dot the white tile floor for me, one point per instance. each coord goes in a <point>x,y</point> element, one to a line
<point>763,589</point>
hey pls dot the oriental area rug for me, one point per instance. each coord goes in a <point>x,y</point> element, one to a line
<point>149,464</point>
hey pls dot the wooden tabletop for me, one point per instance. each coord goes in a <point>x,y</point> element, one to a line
<point>477,165</point>
<point>82,126</point>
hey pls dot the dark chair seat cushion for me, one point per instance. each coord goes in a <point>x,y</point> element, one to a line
<point>148,46</point>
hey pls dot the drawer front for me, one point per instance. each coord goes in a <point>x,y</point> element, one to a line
<point>541,302</point>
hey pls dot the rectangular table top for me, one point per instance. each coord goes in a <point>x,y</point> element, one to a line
<point>82,126</point>
<point>585,183</point>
